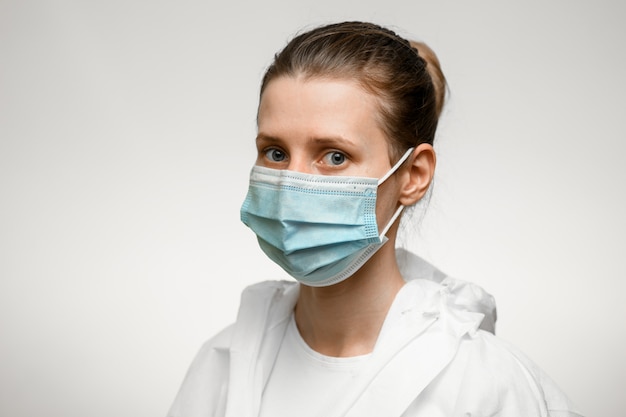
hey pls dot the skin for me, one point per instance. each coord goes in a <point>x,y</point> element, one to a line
<point>329,126</point>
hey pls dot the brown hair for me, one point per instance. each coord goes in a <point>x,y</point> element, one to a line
<point>405,76</point>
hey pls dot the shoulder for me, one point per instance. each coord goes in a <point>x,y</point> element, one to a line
<point>214,353</point>
<point>486,375</point>
<point>219,341</point>
<point>202,388</point>
<point>495,375</point>
<point>213,356</point>
<point>203,391</point>
<point>267,292</point>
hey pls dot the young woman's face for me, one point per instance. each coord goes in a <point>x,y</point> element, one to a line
<point>321,126</point>
<point>325,127</point>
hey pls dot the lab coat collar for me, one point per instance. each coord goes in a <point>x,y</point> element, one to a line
<point>263,314</point>
<point>404,362</point>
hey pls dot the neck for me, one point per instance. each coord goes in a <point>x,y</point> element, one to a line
<point>345,319</point>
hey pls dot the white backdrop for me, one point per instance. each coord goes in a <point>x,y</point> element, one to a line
<point>126,137</point>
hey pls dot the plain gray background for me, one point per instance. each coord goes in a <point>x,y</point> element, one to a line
<point>126,139</point>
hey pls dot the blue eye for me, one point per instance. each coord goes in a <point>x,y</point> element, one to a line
<point>335,158</point>
<point>275,155</point>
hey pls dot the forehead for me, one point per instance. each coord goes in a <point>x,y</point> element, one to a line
<point>328,105</point>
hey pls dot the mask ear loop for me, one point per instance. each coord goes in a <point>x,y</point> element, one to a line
<point>396,166</point>
<point>391,222</point>
<point>383,179</point>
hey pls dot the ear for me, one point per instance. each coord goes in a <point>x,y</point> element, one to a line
<point>418,175</point>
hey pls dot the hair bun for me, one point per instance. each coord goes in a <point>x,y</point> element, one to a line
<point>434,70</point>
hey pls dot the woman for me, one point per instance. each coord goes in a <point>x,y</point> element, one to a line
<point>346,124</point>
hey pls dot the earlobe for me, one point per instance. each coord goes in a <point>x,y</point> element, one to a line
<point>418,175</point>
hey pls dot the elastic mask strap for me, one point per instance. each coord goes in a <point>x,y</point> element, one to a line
<point>393,219</point>
<point>396,166</point>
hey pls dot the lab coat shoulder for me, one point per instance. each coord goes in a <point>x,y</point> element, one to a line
<point>488,376</point>
<point>203,392</point>
<point>523,381</point>
<point>263,309</point>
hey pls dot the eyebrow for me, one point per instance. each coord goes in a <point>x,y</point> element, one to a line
<point>322,140</point>
<point>267,138</point>
<point>334,140</point>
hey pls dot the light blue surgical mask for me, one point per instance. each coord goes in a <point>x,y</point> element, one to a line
<point>320,229</point>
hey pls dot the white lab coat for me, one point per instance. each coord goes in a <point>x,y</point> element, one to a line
<point>435,357</point>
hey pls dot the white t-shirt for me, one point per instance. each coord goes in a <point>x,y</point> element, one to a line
<point>304,382</point>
